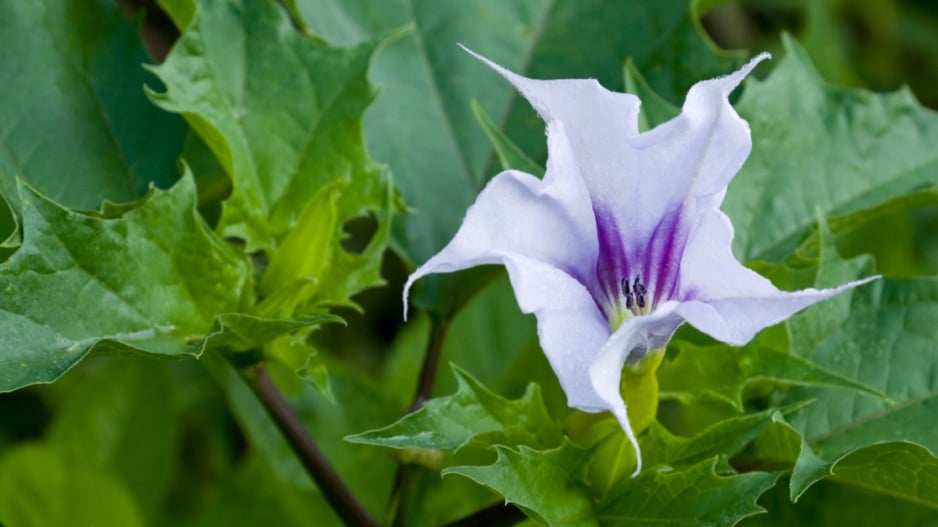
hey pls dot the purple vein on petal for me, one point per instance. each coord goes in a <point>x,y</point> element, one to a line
<point>665,249</point>
<point>611,261</point>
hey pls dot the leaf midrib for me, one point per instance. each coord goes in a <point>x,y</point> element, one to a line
<point>908,403</point>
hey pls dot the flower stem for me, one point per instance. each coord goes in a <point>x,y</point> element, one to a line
<point>327,479</point>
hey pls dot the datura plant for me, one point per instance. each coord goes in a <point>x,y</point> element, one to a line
<point>210,209</point>
<point>623,240</point>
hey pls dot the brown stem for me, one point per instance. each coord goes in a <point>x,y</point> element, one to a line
<point>431,363</point>
<point>425,382</point>
<point>498,515</point>
<point>327,479</point>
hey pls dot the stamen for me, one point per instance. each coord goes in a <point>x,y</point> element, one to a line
<point>629,299</point>
<point>640,292</point>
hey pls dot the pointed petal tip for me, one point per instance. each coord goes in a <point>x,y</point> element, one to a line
<point>490,63</point>
<point>751,65</point>
<point>406,293</point>
<point>729,82</point>
<point>638,453</point>
<point>765,55</point>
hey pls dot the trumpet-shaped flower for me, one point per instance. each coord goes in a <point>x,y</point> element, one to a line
<point>623,240</point>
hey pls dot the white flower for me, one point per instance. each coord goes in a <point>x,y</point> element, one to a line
<point>623,240</point>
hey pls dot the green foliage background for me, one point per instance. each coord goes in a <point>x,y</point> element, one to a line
<point>259,193</point>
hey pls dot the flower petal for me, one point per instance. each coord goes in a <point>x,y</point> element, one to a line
<point>546,220</point>
<point>697,153</point>
<point>598,123</point>
<point>570,327</point>
<point>724,299</point>
<point>634,338</point>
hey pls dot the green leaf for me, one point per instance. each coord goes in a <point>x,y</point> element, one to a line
<point>472,414</point>
<point>76,124</point>
<point>654,109</point>
<point>833,505</point>
<point>881,334</point>
<point>722,372</point>
<point>152,280</point>
<point>694,496</point>
<point>241,332</point>
<point>777,447</point>
<point>889,233</point>
<point>725,438</point>
<point>427,82</point>
<point>900,469</point>
<point>509,155</point>
<point>545,483</point>
<point>292,276</point>
<point>613,458</point>
<point>39,487</point>
<point>283,117</point>
<point>180,11</point>
<point>121,417</point>
<point>820,147</point>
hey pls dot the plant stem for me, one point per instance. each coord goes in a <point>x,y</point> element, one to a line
<point>425,382</point>
<point>431,362</point>
<point>327,479</point>
<point>498,515</point>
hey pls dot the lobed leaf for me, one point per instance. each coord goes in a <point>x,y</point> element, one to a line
<point>544,483</point>
<point>472,414</point>
<point>693,496</point>
<point>817,147</point>
<point>283,117</point>
<point>150,280</point>
<point>882,335</point>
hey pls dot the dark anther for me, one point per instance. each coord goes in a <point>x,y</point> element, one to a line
<point>639,292</point>
<point>628,293</point>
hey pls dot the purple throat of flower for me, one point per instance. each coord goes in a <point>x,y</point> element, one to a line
<point>633,281</point>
